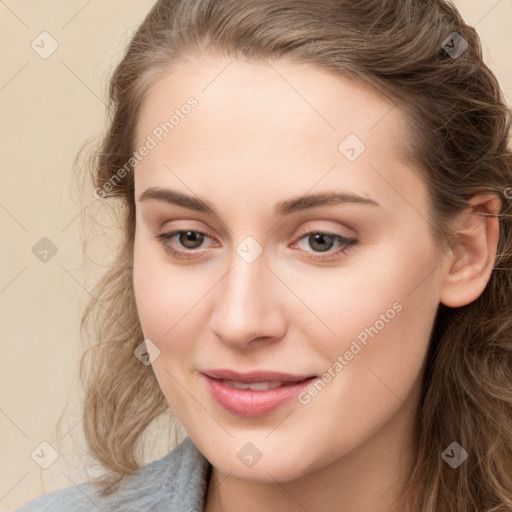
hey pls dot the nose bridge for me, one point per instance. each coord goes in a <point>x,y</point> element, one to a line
<point>244,288</point>
<point>245,301</point>
<point>245,281</point>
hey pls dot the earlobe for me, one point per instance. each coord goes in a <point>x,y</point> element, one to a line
<point>471,260</point>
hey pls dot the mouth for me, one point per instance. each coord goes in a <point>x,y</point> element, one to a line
<point>256,398</point>
<point>257,376</point>
<point>258,386</point>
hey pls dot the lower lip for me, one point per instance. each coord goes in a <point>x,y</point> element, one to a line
<point>246,402</point>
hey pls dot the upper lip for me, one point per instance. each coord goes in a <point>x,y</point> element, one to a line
<point>255,376</point>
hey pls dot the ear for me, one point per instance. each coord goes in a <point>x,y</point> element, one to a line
<point>470,262</point>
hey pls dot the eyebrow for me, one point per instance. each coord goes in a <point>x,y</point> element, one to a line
<point>282,208</point>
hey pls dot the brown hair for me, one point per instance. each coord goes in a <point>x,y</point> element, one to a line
<point>459,126</point>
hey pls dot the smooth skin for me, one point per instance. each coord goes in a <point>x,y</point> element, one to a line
<point>262,133</point>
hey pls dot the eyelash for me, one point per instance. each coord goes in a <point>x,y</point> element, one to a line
<point>349,244</point>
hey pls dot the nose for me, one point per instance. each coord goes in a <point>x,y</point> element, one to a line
<point>248,304</point>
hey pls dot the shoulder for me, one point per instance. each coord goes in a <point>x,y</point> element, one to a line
<point>176,482</point>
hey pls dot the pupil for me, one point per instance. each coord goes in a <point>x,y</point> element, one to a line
<point>320,237</point>
<point>192,236</point>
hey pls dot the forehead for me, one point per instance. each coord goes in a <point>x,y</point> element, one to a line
<point>277,90</point>
<point>270,124</point>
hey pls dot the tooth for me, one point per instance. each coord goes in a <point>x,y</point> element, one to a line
<point>237,385</point>
<point>255,386</point>
<point>263,386</point>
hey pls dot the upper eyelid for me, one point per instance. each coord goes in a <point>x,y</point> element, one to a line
<point>346,227</point>
<point>174,232</point>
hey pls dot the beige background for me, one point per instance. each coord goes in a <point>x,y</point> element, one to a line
<point>49,108</point>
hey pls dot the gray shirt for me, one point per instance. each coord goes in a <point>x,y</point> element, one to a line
<point>174,483</point>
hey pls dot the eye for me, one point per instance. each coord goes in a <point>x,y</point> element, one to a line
<point>323,241</point>
<point>320,241</point>
<point>190,239</point>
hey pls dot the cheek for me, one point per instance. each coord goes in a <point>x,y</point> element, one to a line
<point>389,290</point>
<point>382,318</point>
<point>164,305</point>
<point>158,294</point>
<point>379,308</point>
<point>147,279</point>
<point>168,297</point>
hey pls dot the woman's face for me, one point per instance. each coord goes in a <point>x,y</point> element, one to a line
<point>256,287</point>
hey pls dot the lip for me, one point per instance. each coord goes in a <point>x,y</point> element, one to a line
<point>255,376</point>
<point>251,403</point>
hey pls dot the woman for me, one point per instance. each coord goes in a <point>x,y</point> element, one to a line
<point>315,273</point>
